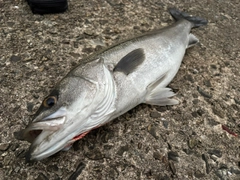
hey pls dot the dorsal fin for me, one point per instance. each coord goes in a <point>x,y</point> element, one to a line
<point>130,62</point>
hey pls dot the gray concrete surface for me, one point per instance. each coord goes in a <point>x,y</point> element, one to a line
<point>185,141</point>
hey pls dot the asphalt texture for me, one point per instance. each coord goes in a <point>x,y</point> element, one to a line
<point>197,139</point>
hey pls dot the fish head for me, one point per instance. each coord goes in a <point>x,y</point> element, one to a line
<point>61,117</point>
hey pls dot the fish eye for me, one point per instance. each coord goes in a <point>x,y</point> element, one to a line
<point>49,101</point>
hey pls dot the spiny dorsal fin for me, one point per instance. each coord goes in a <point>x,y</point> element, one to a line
<point>130,62</point>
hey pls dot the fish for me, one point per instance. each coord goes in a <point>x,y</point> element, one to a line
<point>110,83</point>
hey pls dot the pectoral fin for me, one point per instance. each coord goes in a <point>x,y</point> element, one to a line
<point>130,62</point>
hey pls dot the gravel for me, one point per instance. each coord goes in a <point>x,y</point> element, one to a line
<point>185,141</point>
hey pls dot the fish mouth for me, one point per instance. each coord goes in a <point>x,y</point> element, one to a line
<point>31,135</point>
<point>36,128</point>
<point>41,136</point>
<point>49,135</point>
<point>53,122</point>
<point>43,141</point>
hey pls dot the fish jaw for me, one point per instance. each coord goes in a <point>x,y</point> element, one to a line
<point>51,141</point>
<point>40,134</point>
<point>45,145</point>
<point>57,138</point>
<point>52,134</point>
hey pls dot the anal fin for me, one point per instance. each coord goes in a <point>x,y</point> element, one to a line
<point>158,95</point>
<point>193,40</point>
<point>161,97</point>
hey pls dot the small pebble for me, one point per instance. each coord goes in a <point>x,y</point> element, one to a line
<point>223,166</point>
<point>194,95</point>
<point>94,154</point>
<point>204,93</point>
<point>165,124</point>
<point>153,131</point>
<point>194,114</point>
<point>215,152</point>
<point>30,106</point>
<point>108,147</point>
<point>14,146</point>
<point>218,112</point>
<point>235,107</point>
<point>4,146</point>
<point>173,156</point>
<point>213,66</point>
<point>221,173</point>
<point>188,151</point>
<point>96,168</point>
<point>200,112</point>
<point>17,169</point>
<point>195,101</point>
<point>195,71</point>
<point>212,122</point>
<point>20,153</point>
<point>172,167</point>
<point>155,114</point>
<point>189,77</point>
<point>157,155</point>
<point>122,150</point>
<point>89,32</point>
<point>192,143</point>
<point>139,145</point>
<point>207,83</point>
<point>41,176</point>
<point>78,171</point>
<point>237,101</point>
<point>162,177</point>
<point>53,168</point>
<point>14,58</point>
<point>161,108</point>
<point>199,174</point>
<point>205,158</point>
<point>235,171</point>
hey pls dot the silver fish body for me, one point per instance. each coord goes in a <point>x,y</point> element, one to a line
<point>108,84</point>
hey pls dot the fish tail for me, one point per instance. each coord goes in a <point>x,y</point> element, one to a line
<point>196,21</point>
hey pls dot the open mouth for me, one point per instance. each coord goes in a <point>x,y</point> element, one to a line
<point>35,133</point>
<point>34,129</point>
<point>29,136</point>
<point>32,135</point>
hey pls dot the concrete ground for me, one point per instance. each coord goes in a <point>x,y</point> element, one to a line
<point>197,139</point>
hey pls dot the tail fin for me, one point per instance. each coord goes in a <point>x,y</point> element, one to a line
<point>196,21</point>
